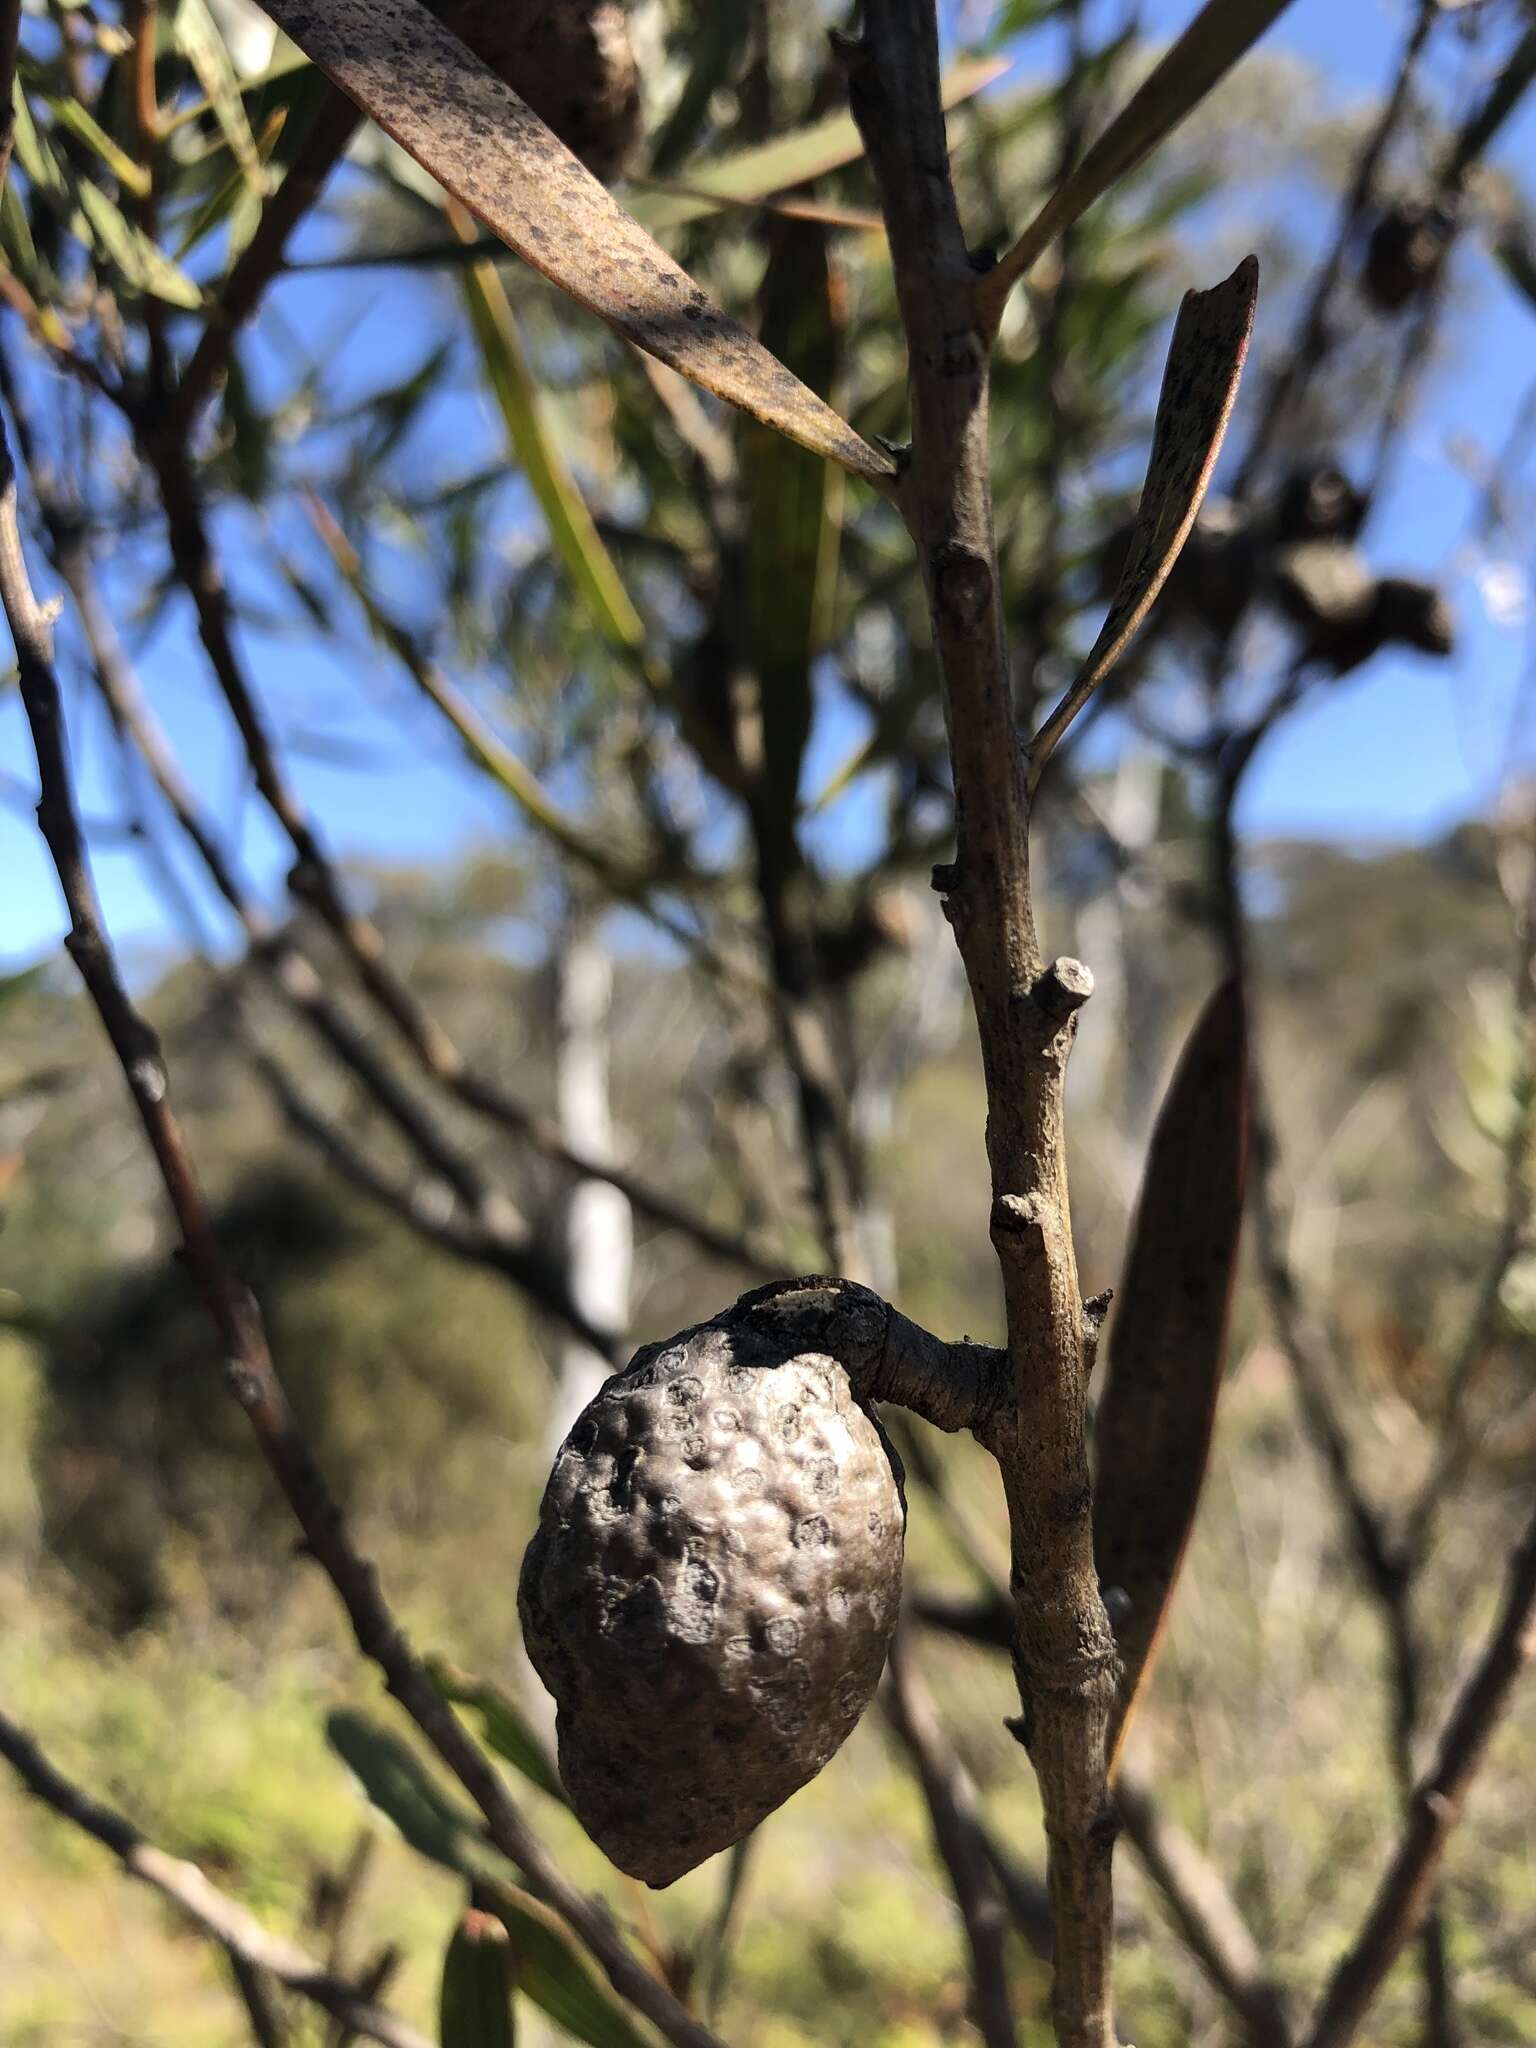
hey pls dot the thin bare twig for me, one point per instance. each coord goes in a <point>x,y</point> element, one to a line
<point>1214,1930</point>
<point>250,1371</point>
<point>251,1949</point>
<point>1407,1887</point>
<point>951,1813</point>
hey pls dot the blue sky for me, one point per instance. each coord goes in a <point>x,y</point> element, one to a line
<point>1401,752</point>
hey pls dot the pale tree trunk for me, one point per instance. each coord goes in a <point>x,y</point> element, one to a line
<point>599,1225</point>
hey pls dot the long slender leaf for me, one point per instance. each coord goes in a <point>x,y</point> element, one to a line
<point>571,527</point>
<point>1158,1410</point>
<point>1205,364</point>
<point>502,1722</point>
<point>1221,33</point>
<point>76,117</point>
<point>550,1970</point>
<point>792,539</point>
<point>788,160</point>
<point>140,261</point>
<point>496,157</point>
<point>197,38</point>
<point>475,2003</point>
<point>553,1975</point>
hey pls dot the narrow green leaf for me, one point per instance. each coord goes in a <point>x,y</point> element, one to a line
<point>551,1972</point>
<point>287,58</point>
<point>793,533</point>
<point>788,160</point>
<point>1166,1348</point>
<point>475,2004</point>
<point>140,262</point>
<point>197,37</point>
<point>1221,33</point>
<point>33,152</point>
<point>236,200</point>
<point>16,235</point>
<point>503,1724</point>
<point>487,147</point>
<point>1205,364</point>
<point>71,114</point>
<point>550,1969</point>
<point>401,1789</point>
<point>576,540</point>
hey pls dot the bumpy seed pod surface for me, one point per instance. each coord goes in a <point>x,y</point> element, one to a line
<point>571,60</point>
<point>711,1591</point>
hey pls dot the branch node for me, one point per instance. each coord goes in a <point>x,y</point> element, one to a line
<point>1019,1216</point>
<point>1062,989</point>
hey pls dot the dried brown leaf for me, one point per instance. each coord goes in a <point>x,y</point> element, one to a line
<point>1153,1434</point>
<point>493,153</point>
<point>1205,364</point>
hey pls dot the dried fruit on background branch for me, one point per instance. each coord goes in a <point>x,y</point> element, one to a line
<point>712,1589</point>
<point>571,60</point>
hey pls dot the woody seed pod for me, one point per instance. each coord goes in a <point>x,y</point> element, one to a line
<point>712,1589</point>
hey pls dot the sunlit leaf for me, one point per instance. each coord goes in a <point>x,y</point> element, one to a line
<point>1167,1344</point>
<point>788,160</point>
<point>140,262</point>
<point>1221,33</point>
<point>489,149</point>
<point>33,151</point>
<point>721,34</point>
<point>71,114</point>
<point>197,37</point>
<point>571,527</point>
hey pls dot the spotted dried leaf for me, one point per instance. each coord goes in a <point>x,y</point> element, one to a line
<point>493,153</point>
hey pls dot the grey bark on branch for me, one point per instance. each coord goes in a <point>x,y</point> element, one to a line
<point>1064,1650</point>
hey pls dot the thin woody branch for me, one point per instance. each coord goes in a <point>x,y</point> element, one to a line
<point>886,1355</point>
<point>248,1944</point>
<point>1064,1650</point>
<point>276,952</point>
<point>250,1372</point>
<point>1205,1912</point>
<point>1406,1891</point>
<point>959,1841</point>
<point>1208,1918</point>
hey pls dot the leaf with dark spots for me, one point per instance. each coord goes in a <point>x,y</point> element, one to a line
<point>492,152</point>
<point>1166,1347</point>
<point>1205,364</point>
